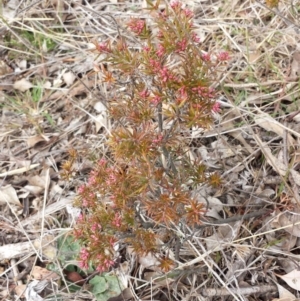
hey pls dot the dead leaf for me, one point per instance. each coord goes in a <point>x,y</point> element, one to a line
<point>292,219</point>
<point>123,273</point>
<point>269,124</point>
<point>36,190</point>
<point>39,181</point>
<point>295,66</point>
<point>50,209</point>
<point>8,195</point>
<point>149,261</point>
<point>74,212</point>
<point>292,279</point>
<point>34,288</point>
<point>284,294</point>
<point>4,68</point>
<point>124,296</point>
<point>22,64</point>
<point>296,176</point>
<point>32,141</point>
<point>20,290</point>
<point>100,107</point>
<point>274,162</point>
<point>281,240</point>
<point>254,56</point>
<point>222,149</point>
<point>215,206</point>
<point>40,273</point>
<point>69,78</point>
<point>47,246</point>
<point>224,234</point>
<point>22,85</point>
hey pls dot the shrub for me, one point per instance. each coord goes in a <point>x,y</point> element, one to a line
<point>160,89</point>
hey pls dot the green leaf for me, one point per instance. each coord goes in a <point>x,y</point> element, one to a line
<point>106,287</point>
<point>68,248</point>
<point>99,285</point>
<point>115,286</point>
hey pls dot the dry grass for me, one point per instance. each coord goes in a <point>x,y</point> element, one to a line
<point>49,97</point>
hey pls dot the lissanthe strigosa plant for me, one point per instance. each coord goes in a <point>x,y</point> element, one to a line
<point>159,82</point>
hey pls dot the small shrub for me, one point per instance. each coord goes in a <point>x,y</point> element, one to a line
<point>160,90</point>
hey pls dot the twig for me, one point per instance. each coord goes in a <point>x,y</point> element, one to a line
<point>235,218</point>
<point>213,292</point>
<point>19,170</point>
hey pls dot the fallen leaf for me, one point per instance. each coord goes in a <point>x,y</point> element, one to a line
<point>36,190</point>
<point>296,176</point>
<point>292,279</point>
<point>22,64</point>
<point>274,162</point>
<point>269,124</point>
<point>34,288</point>
<point>8,195</point>
<point>47,246</point>
<point>292,219</point>
<point>284,294</point>
<point>22,85</point>
<point>224,235</point>
<point>69,78</point>
<point>4,68</point>
<point>281,240</point>
<point>124,296</point>
<point>40,181</point>
<point>215,206</point>
<point>254,56</point>
<point>40,273</point>
<point>222,149</point>
<point>20,290</point>
<point>100,121</point>
<point>149,261</point>
<point>73,211</point>
<point>32,141</point>
<point>100,107</point>
<point>295,66</point>
<point>123,272</point>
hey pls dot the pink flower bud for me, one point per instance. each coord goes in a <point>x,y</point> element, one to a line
<point>223,56</point>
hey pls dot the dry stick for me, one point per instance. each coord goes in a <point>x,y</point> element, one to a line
<point>213,292</point>
<point>229,220</point>
<point>18,170</point>
<point>16,272</point>
<point>44,206</point>
<point>235,218</point>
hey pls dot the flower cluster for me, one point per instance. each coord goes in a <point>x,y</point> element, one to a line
<point>147,179</point>
<point>137,26</point>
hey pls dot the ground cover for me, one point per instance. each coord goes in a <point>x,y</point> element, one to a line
<point>51,98</point>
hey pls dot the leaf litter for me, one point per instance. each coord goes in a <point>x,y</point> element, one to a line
<point>253,145</point>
